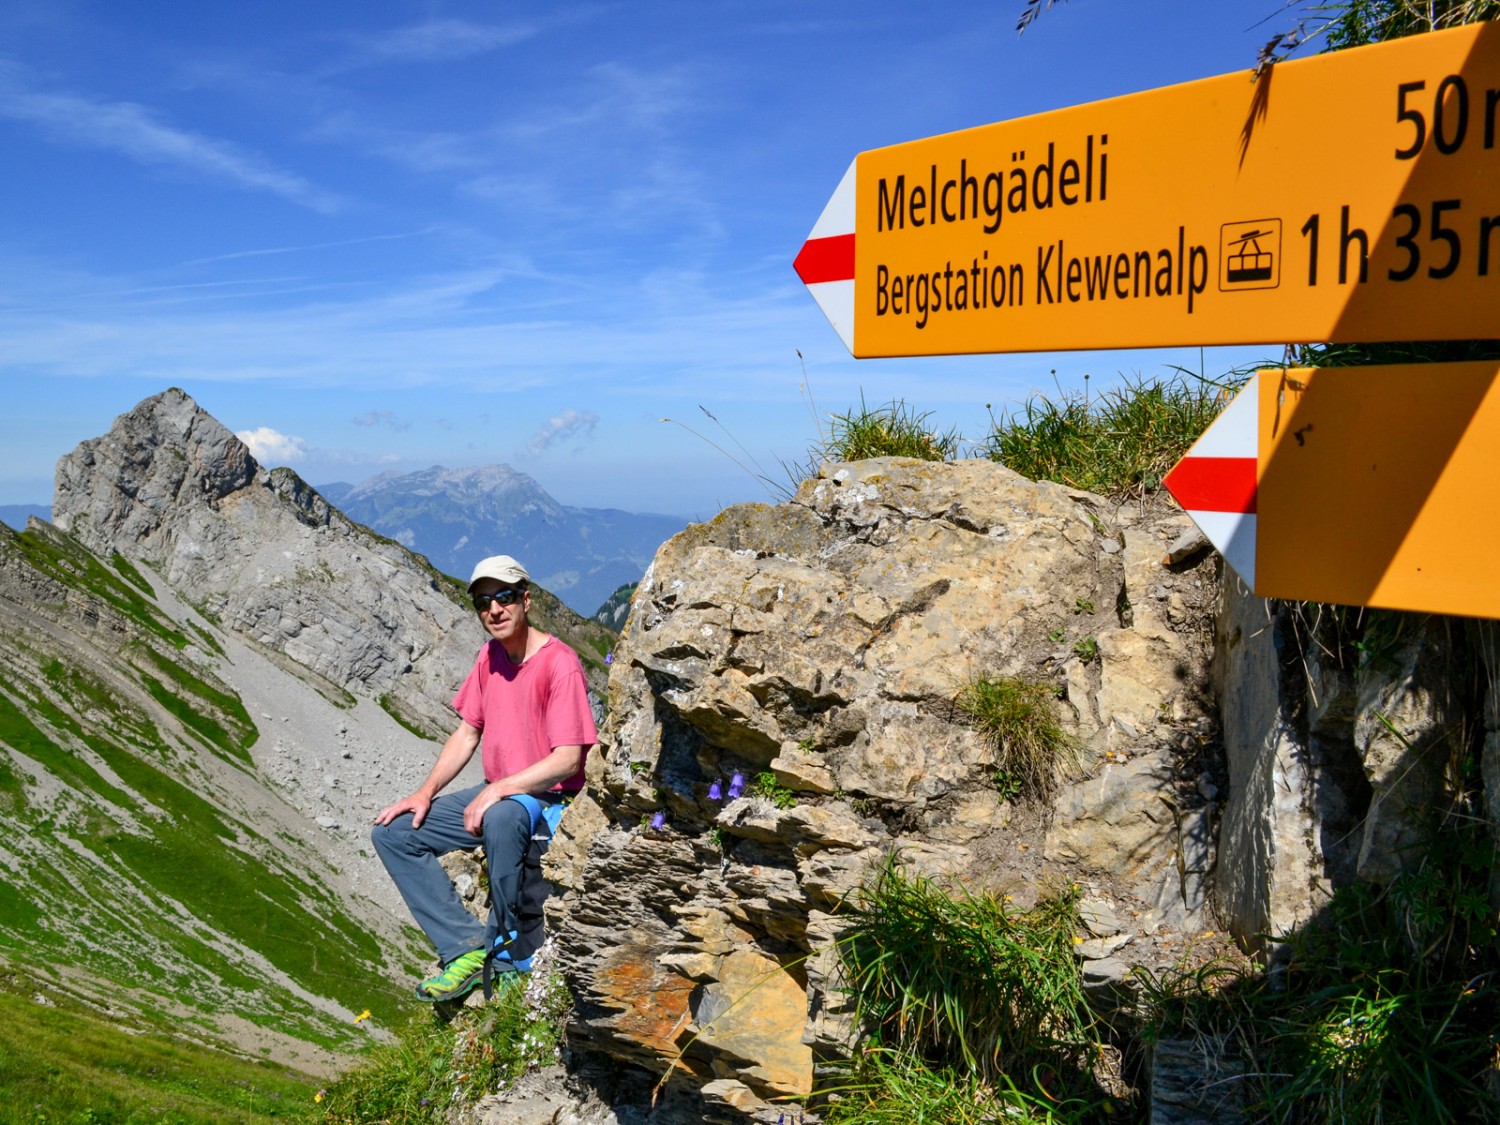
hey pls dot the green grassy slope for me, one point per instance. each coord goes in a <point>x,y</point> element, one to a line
<point>64,1063</point>
<point>128,867</point>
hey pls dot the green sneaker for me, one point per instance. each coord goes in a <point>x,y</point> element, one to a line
<point>459,977</point>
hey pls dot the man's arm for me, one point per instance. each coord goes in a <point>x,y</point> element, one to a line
<point>538,777</point>
<point>454,757</point>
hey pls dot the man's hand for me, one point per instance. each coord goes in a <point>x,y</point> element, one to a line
<point>416,804</point>
<point>454,756</point>
<point>474,811</point>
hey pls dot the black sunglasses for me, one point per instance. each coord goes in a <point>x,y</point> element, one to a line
<point>500,597</point>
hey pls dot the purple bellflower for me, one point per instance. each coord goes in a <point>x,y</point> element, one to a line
<point>659,821</point>
<point>716,790</point>
<point>736,785</point>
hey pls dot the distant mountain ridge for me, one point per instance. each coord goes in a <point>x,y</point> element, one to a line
<point>458,516</point>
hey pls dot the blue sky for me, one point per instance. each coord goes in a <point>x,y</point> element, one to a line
<point>381,236</point>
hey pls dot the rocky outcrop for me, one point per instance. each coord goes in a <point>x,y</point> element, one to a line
<point>1341,730</point>
<point>265,555</point>
<point>815,649</point>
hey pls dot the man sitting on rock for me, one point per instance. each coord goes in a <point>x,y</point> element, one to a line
<point>527,701</point>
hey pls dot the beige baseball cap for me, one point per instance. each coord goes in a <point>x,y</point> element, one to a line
<point>502,568</point>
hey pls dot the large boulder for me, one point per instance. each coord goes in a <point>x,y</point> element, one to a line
<point>816,649</point>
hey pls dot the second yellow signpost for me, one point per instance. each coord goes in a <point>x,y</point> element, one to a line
<point>1380,486</point>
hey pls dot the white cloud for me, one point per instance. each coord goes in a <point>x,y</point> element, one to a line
<point>560,427</point>
<point>437,40</point>
<point>272,448</point>
<point>371,418</point>
<point>261,253</point>
<point>135,132</point>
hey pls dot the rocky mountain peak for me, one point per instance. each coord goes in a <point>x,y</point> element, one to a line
<point>167,451</point>
<point>263,552</point>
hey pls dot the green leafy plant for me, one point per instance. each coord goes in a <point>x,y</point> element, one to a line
<point>1083,605</point>
<point>434,1065</point>
<point>860,806</point>
<point>765,787</point>
<point>1007,785</point>
<point>1087,649</point>
<point>1019,718</point>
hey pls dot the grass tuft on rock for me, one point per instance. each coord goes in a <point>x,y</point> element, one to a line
<point>1119,443</point>
<point>963,984</point>
<point>1018,716</point>
<point>892,430</point>
<point>890,1087</point>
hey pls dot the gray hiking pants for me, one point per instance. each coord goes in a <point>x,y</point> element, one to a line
<point>411,856</point>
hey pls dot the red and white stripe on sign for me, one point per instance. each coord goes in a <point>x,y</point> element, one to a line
<point>826,261</point>
<point>1216,481</point>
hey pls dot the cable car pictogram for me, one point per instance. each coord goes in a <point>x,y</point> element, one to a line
<point>1249,262</point>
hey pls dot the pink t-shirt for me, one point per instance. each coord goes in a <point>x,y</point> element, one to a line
<point>525,711</point>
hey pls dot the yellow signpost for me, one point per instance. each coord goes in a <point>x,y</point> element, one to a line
<point>1375,486</point>
<point>1380,486</point>
<point>1354,196</point>
<point>1351,197</point>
